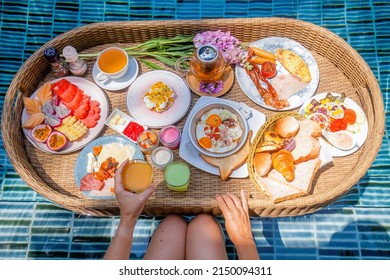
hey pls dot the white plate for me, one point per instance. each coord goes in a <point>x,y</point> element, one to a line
<point>80,168</point>
<point>95,93</point>
<point>271,44</point>
<point>120,83</point>
<point>141,86</point>
<point>360,137</point>
<point>189,153</point>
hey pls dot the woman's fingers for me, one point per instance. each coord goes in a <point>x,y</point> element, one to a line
<point>221,204</point>
<point>118,177</point>
<point>148,192</point>
<point>228,201</point>
<point>235,200</point>
<point>244,201</point>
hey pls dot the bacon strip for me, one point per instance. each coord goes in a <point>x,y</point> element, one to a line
<point>269,95</point>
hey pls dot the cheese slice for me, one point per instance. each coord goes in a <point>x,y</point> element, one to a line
<point>91,164</point>
<point>117,151</point>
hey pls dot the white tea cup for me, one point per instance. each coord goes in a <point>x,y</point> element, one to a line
<point>113,63</point>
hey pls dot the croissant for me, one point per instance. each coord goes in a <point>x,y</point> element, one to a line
<point>283,161</point>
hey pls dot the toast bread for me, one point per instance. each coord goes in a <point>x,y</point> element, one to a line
<point>227,165</point>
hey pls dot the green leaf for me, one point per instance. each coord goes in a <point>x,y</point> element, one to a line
<point>151,65</point>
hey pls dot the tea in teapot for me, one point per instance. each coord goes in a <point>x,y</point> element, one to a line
<point>206,64</point>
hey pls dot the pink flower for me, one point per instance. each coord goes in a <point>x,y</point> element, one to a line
<point>230,47</point>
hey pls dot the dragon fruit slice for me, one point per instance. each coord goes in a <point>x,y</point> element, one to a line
<point>52,120</point>
<point>48,107</point>
<point>62,111</point>
<point>56,100</point>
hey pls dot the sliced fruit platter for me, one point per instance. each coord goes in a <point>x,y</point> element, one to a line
<point>63,115</point>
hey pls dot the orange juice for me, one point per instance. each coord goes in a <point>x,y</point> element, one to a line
<point>137,175</point>
<point>112,60</point>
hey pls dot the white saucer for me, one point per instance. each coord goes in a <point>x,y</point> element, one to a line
<point>120,83</point>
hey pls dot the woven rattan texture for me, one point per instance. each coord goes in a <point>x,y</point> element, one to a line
<point>341,70</point>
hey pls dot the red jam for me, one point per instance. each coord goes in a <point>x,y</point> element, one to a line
<point>132,130</point>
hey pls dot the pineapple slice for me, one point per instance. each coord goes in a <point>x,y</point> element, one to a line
<point>73,128</point>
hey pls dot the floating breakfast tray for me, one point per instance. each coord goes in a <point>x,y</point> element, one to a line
<point>341,70</point>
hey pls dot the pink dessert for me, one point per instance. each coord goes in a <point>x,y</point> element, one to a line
<point>170,137</point>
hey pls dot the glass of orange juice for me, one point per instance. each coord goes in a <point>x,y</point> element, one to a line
<point>137,175</point>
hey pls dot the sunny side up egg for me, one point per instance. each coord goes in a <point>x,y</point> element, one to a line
<point>218,131</point>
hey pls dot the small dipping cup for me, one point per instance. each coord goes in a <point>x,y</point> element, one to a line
<point>170,137</point>
<point>177,176</point>
<point>161,157</point>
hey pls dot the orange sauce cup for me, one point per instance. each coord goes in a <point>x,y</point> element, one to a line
<point>137,175</point>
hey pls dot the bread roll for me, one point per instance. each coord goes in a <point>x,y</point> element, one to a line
<point>262,163</point>
<point>287,127</point>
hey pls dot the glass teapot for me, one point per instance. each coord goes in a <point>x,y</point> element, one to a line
<point>206,64</point>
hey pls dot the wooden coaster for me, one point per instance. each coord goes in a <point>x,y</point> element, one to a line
<point>227,78</point>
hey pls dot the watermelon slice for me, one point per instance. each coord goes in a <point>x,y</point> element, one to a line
<point>89,121</point>
<point>69,93</point>
<point>59,87</point>
<point>76,101</point>
<point>82,111</point>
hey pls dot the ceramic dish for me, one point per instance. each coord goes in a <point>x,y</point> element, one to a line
<point>117,84</point>
<point>153,119</point>
<point>227,78</point>
<point>189,153</point>
<point>360,137</point>
<point>242,112</point>
<point>271,44</point>
<point>95,93</point>
<point>80,169</point>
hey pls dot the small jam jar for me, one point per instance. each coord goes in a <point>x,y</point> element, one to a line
<point>170,136</point>
<point>177,176</point>
<point>147,140</point>
<point>161,157</point>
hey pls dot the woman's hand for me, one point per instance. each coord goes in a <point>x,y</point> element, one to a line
<point>130,204</point>
<point>237,223</point>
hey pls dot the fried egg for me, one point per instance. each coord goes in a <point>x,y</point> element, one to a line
<point>218,130</point>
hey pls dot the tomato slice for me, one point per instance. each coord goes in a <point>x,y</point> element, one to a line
<point>337,124</point>
<point>350,116</point>
<point>268,70</point>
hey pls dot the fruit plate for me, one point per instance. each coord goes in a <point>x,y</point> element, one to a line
<point>271,44</point>
<point>360,136</point>
<point>153,119</point>
<point>81,165</point>
<point>189,153</point>
<point>95,93</point>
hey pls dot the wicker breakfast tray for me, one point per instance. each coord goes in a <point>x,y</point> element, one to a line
<point>341,70</point>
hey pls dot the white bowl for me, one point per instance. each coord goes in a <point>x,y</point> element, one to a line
<point>243,113</point>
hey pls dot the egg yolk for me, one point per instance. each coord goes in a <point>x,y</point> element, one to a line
<point>214,120</point>
<point>205,142</point>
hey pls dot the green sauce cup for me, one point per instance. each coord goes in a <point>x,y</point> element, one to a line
<point>177,176</point>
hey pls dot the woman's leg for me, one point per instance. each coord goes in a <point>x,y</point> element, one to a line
<point>168,240</point>
<point>205,239</point>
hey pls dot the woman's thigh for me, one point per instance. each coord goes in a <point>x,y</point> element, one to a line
<point>205,239</point>
<point>168,240</point>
